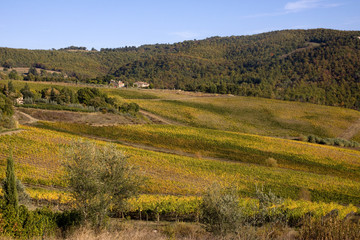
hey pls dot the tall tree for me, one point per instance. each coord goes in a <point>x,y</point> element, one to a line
<point>26,92</point>
<point>11,87</point>
<point>9,184</point>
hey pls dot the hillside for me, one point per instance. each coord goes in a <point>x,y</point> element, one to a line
<point>197,141</point>
<point>253,115</point>
<point>319,66</point>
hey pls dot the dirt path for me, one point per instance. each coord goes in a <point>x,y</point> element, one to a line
<point>351,131</point>
<point>158,119</point>
<point>11,132</point>
<point>24,118</point>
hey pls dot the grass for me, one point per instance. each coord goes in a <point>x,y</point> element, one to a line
<point>255,115</point>
<point>37,154</point>
<point>38,86</point>
<point>356,137</point>
<point>129,93</point>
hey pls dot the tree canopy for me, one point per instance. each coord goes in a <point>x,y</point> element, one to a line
<point>319,65</point>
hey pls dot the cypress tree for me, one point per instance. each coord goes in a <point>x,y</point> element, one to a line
<point>11,87</point>
<point>10,190</point>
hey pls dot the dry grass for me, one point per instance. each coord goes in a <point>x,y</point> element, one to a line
<point>181,231</point>
<point>87,234</point>
<point>141,230</point>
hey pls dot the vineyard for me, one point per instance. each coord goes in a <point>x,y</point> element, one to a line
<point>231,146</point>
<point>170,207</point>
<point>215,142</point>
<point>37,153</point>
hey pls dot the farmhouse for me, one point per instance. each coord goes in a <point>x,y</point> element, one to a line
<point>141,84</point>
<point>116,84</point>
<point>19,101</point>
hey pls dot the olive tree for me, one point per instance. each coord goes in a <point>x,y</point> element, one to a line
<point>220,210</point>
<point>99,178</point>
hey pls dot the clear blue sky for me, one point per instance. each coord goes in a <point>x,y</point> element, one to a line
<point>45,24</point>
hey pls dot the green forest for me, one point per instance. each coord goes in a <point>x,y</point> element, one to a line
<point>318,66</point>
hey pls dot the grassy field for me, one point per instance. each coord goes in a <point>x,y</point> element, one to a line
<point>255,115</point>
<point>37,153</point>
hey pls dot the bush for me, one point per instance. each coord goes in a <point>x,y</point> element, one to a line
<point>8,122</point>
<point>220,210</point>
<point>271,162</point>
<point>330,141</point>
<point>99,178</point>
<point>68,220</point>
<point>269,209</point>
<point>329,228</point>
<point>26,224</point>
<point>28,100</point>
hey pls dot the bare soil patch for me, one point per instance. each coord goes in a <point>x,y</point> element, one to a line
<point>351,131</point>
<point>95,119</point>
<point>158,119</point>
<point>24,118</point>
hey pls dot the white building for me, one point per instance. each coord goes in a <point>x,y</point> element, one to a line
<point>141,84</point>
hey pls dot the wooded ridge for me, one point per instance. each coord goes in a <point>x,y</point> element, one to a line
<point>319,65</point>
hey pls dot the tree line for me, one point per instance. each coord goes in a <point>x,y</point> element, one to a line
<point>319,66</point>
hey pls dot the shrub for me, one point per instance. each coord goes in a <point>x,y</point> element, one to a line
<point>329,228</point>
<point>68,220</point>
<point>268,210</point>
<point>99,178</point>
<point>330,141</point>
<point>7,122</point>
<point>26,224</point>
<point>271,162</point>
<point>220,210</point>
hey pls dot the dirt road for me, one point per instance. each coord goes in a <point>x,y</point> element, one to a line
<point>158,119</point>
<point>351,131</point>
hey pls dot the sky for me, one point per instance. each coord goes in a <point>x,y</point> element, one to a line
<point>46,24</point>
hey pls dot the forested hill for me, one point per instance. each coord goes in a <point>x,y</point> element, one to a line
<point>318,65</point>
